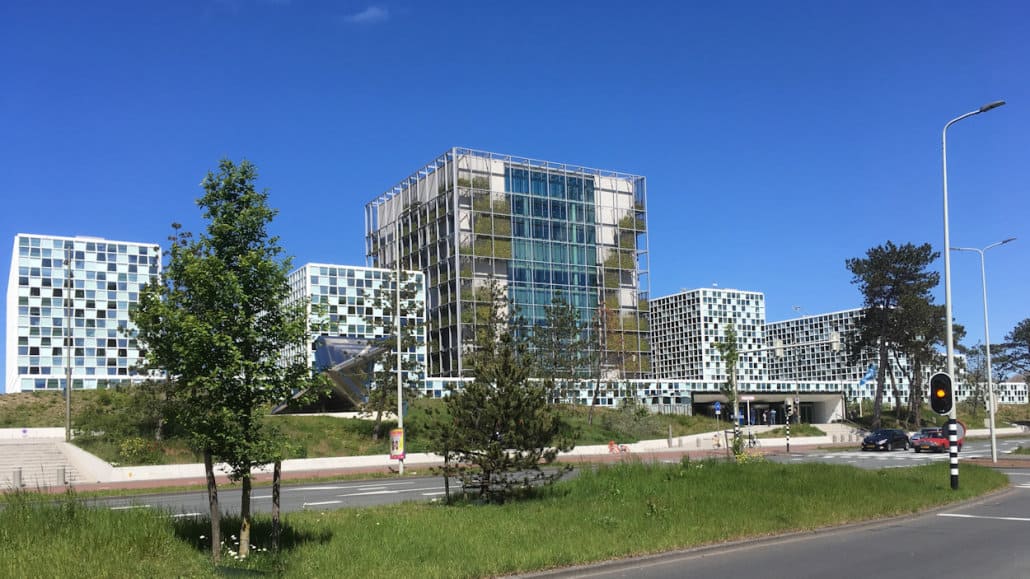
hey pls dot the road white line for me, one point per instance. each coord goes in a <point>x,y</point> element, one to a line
<point>366,493</point>
<point>332,488</point>
<point>254,497</point>
<point>130,507</point>
<point>186,515</point>
<point>386,484</point>
<point>958,516</point>
<point>306,505</point>
<point>391,491</point>
<point>437,493</point>
<point>1008,473</point>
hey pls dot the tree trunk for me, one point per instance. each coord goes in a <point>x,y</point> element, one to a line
<point>881,376</point>
<point>212,501</point>
<point>277,472</point>
<point>377,427</point>
<point>915,395</point>
<point>897,397</point>
<point>245,517</point>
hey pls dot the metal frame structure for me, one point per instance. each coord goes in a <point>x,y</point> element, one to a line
<point>470,218</point>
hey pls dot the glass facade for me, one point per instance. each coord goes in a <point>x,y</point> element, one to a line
<point>348,301</point>
<point>77,290</point>
<point>471,219</point>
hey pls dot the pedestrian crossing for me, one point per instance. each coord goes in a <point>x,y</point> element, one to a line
<point>895,457</point>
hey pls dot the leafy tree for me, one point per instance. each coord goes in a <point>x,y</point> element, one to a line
<point>501,422</point>
<point>217,324</point>
<point>1014,357</point>
<point>975,378</point>
<point>730,353</point>
<point>892,279</point>
<point>558,347</point>
<point>382,393</point>
<point>921,336</point>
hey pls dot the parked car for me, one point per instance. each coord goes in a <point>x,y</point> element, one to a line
<point>923,432</point>
<point>937,439</point>
<point>886,439</point>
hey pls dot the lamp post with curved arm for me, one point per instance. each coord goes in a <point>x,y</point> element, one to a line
<point>949,338</point>
<point>987,338</point>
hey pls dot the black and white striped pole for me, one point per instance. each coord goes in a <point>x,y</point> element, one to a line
<point>789,412</point>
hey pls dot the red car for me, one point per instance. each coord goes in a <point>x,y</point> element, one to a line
<point>937,440</point>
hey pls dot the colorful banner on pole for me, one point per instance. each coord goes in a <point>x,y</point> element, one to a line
<point>397,444</point>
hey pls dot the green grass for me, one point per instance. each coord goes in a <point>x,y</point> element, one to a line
<point>615,511</point>
<point>796,430</point>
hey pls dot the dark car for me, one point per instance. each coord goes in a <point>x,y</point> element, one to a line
<point>886,439</point>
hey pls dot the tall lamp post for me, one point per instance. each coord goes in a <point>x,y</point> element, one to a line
<point>69,310</point>
<point>949,338</point>
<point>397,319</point>
<point>987,338</point>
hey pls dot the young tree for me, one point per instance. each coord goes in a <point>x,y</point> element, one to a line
<point>889,277</point>
<point>730,356</point>
<point>382,393</point>
<point>217,324</point>
<point>975,378</point>
<point>501,422</point>
<point>558,347</point>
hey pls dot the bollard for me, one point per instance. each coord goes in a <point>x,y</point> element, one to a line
<point>16,478</point>
<point>698,441</point>
<point>60,476</point>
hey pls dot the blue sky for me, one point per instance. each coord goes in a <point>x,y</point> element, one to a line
<point>778,138</point>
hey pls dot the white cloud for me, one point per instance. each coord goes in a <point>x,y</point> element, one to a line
<point>370,15</point>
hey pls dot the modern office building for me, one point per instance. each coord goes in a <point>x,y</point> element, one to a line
<point>802,350</point>
<point>356,303</point>
<point>471,219</point>
<point>76,289</point>
<point>686,327</point>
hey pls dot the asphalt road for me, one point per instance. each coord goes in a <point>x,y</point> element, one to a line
<point>980,448</point>
<point>985,539</point>
<point>293,497</point>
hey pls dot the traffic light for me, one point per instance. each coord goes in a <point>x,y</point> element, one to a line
<point>941,396</point>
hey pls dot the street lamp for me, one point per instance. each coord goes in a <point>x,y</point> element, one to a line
<point>987,338</point>
<point>949,338</point>
<point>69,339</point>
<point>397,321</point>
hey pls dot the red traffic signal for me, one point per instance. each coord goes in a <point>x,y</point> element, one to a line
<point>941,393</point>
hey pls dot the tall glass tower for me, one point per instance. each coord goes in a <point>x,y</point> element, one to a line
<point>470,219</point>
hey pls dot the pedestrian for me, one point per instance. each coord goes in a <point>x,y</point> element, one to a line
<point>772,416</point>
<point>765,417</point>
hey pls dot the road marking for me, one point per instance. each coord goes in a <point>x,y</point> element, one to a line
<point>306,505</point>
<point>958,516</point>
<point>186,515</point>
<point>130,507</point>
<point>437,493</point>
<point>390,491</point>
<point>332,488</point>
<point>389,484</point>
<point>1008,473</point>
<point>366,493</point>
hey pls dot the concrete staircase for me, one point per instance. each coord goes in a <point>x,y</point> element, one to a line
<point>33,464</point>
